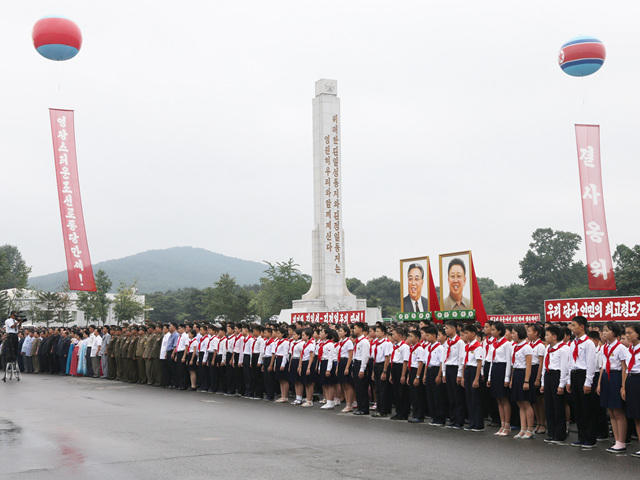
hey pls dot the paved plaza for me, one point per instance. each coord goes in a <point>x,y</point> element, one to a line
<point>62,427</point>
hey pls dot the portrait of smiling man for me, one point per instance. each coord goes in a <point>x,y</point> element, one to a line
<point>413,284</point>
<point>457,297</point>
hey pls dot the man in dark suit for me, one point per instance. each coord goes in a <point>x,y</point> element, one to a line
<point>414,301</point>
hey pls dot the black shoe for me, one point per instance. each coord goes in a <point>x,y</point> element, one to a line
<point>617,451</point>
<point>415,420</point>
<point>359,412</point>
<point>577,444</point>
<point>398,417</point>
<point>548,440</point>
<point>588,446</point>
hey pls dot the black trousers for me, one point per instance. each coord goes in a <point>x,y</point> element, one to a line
<point>400,391</point>
<point>361,386</point>
<point>268,378</point>
<point>473,397</point>
<point>89,367</point>
<point>247,375</point>
<point>455,394</point>
<point>181,372</point>
<point>489,404</point>
<point>435,395</point>
<point>229,374</point>
<point>164,372</point>
<point>202,373</point>
<point>238,374</point>
<point>382,387</point>
<point>257,381</point>
<point>554,407</point>
<point>585,407</point>
<point>416,395</point>
<point>602,419</point>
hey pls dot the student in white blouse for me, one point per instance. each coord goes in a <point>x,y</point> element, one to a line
<point>521,385</point>
<point>281,354</point>
<point>555,374</point>
<point>614,356</point>
<point>534,335</point>
<point>631,378</point>
<point>500,376</point>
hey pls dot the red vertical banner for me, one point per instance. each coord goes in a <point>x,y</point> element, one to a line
<point>596,238</point>
<point>76,247</point>
<point>434,304</point>
<point>478,304</point>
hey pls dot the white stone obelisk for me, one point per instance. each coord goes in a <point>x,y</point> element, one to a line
<point>328,292</point>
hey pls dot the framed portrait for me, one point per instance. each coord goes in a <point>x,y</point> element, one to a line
<point>414,284</point>
<point>455,281</point>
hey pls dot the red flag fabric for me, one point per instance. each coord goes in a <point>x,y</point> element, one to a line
<point>478,305</point>
<point>434,303</point>
<point>79,269</point>
<point>596,238</point>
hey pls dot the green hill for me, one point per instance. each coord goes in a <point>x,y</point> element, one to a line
<point>160,270</point>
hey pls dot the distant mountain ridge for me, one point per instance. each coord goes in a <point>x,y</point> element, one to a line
<point>168,269</point>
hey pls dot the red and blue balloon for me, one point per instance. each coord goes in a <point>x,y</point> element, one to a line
<point>57,38</point>
<point>581,56</point>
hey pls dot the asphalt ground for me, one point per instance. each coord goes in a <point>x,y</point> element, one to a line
<point>54,427</point>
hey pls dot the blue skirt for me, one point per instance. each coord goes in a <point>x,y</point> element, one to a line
<point>518,393</point>
<point>307,378</point>
<point>340,375</point>
<point>632,388</point>
<point>497,388</point>
<point>293,370</point>
<point>322,374</point>
<point>610,390</point>
<point>279,374</point>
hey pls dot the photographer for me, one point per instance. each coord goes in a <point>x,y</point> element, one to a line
<point>10,345</point>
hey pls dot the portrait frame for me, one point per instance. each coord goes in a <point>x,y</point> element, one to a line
<point>467,291</point>
<point>404,265</point>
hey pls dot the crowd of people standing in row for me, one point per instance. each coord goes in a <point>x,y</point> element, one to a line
<point>457,375</point>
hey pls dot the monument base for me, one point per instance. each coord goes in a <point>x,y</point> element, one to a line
<point>318,311</point>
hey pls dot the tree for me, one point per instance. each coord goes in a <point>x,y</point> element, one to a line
<point>95,305</point>
<point>4,305</point>
<point>281,284</point>
<point>550,259</point>
<point>125,305</point>
<point>227,299</point>
<point>45,312</point>
<point>14,272</point>
<point>627,270</point>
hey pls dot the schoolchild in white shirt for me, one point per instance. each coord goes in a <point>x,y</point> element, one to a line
<point>327,366</point>
<point>414,378</point>
<point>434,389</point>
<point>345,358</point>
<point>534,335</point>
<point>630,391</point>
<point>500,376</point>
<point>306,366</point>
<point>472,368</point>
<point>281,363</point>
<point>521,384</point>
<point>615,357</point>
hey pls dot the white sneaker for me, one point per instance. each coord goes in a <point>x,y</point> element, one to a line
<point>327,406</point>
<point>307,404</point>
<point>296,402</point>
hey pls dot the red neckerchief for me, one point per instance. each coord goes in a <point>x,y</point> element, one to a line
<point>431,348</point>
<point>304,347</point>
<point>374,343</point>
<point>486,347</point>
<point>496,346</point>
<point>190,343</point>
<point>280,342</point>
<point>411,352</point>
<point>375,350</point>
<point>321,345</point>
<point>253,347</point>
<point>516,349</point>
<point>551,350</point>
<point>576,344</point>
<point>536,343</point>
<point>470,349</point>
<point>395,347</point>
<point>607,353</point>
<point>632,360</point>
<point>202,339</point>
<point>341,343</point>
<point>450,343</point>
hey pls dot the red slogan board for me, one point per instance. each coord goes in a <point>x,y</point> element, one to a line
<point>621,309</point>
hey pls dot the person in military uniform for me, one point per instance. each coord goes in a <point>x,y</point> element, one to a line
<point>141,375</point>
<point>121,354</point>
<point>146,354</point>
<point>132,368</point>
<point>156,366</point>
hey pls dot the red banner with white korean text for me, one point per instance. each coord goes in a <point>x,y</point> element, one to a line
<point>76,247</point>
<point>515,318</point>
<point>605,309</point>
<point>596,238</point>
<point>350,316</point>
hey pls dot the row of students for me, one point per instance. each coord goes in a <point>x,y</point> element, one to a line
<point>452,372</point>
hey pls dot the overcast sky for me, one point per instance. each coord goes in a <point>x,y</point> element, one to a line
<point>193,125</point>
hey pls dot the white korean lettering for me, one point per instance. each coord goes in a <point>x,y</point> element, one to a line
<point>586,156</point>
<point>591,192</point>
<point>599,268</point>
<point>594,232</point>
